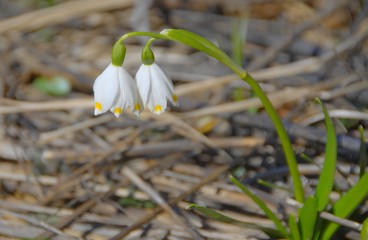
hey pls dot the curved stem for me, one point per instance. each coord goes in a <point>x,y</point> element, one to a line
<point>195,41</point>
<point>285,141</point>
<point>142,34</point>
<point>149,42</point>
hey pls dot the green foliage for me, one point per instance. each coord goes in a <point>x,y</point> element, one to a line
<point>56,86</point>
<point>273,186</point>
<point>308,224</point>
<point>222,218</point>
<point>307,218</point>
<point>346,205</point>
<point>294,228</point>
<point>284,138</point>
<point>238,36</point>
<point>364,231</point>
<point>238,94</point>
<point>272,216</point>
<point>326,179</point>
<point>238,171</point>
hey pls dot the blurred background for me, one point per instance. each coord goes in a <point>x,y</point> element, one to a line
<point>65,174</point>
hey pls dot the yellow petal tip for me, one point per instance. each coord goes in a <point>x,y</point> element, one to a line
<point>175,98</point>
<point>117,111</point>
<point>98,106</point>
<point>137,107</point>
<point>157,109</point>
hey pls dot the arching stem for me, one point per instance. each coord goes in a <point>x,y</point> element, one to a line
<point>197,42</point>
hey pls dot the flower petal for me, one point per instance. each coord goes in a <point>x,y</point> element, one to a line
<point>159,92</point>
<point>106,89</point>
<point>128,94</point>
<point>134,100</point>
<point>137,107</point>
<point>168,85</point>
<point>144,85</point>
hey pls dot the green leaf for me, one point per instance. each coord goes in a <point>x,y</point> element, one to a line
<point>273,233</point>
<point>362,152</point>
<point>346,205</point>
<point>272,216</point>
<point>326,179</point>
<point>238,37</point>
<point>273,186</point>
<point>294,228</point>
<point>238,94</point>
<point>202,44</point>
<point>56,86</point>
<point>308,159</point>
<point>308,217</point>
<point>364,231</point>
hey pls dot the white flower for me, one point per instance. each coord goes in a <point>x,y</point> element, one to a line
<point>116,90</point>
<point>155,88</point>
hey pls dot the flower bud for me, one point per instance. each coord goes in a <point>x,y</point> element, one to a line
<point>148,58</point>
<point>118,54</point>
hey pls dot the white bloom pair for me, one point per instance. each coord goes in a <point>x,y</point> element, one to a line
<point>116,90</point>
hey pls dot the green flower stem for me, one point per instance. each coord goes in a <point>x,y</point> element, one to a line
<point>285,141</point>
<point>149,42</point>
<point>197,42</point>
<point>143,34</point>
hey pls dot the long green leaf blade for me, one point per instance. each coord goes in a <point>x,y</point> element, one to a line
<point>271,215</point>
<point>273,233</point>
<point>238,37</point>
<point>326,179</point>
<point>294,228</point>
<point>346,205</point>
<point>308,217</point>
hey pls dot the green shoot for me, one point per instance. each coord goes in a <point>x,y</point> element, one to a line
<point>222,218</point>
<point>307,218</point>
<point>346,205</point>
<point>271,215</point>
<point>326,179</point>
<point>272,186</point>
<point>294,228</point>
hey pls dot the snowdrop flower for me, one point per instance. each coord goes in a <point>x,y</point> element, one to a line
<point>154,86</point>
<point>115,89</point>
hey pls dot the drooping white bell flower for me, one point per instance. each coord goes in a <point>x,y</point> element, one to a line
<point>155,88</point>
<point>116,90</point>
